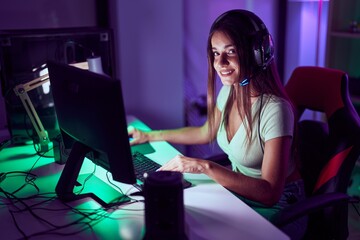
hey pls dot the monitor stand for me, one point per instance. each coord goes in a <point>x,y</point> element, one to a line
<point>68,182</point>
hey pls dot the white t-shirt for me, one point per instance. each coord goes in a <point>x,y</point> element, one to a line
<point>277,119</point>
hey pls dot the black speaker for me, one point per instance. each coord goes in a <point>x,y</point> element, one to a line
<point>164,206</point>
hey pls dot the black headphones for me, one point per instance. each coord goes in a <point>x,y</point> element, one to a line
<point>262,43</point>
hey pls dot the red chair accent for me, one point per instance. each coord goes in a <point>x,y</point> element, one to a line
<point>328,150</point>
<point>332,168</point>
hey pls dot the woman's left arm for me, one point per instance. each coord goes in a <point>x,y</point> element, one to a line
<point>266,190</point>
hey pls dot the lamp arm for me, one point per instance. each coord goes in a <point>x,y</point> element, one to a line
<point>21,91</point>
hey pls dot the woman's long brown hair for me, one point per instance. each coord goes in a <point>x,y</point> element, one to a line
<point>262,81</point>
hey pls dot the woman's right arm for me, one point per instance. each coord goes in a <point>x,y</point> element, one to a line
<point>185,135</point>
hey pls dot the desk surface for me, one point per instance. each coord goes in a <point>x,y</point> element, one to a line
<point>211,212</point>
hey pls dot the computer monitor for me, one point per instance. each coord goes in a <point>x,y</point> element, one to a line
<point>90,111</point>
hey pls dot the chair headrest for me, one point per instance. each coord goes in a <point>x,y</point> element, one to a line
<point>319,89</point>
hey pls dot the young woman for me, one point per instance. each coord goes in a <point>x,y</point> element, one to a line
<point>252,119</point>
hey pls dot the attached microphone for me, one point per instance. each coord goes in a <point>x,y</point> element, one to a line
<point>244,82</point>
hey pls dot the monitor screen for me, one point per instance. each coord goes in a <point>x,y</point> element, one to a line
<point>90,111</point>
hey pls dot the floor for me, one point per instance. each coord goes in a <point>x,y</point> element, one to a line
<point>354,208</point>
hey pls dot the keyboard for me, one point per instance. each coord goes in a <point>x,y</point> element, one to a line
<point>143,164</point>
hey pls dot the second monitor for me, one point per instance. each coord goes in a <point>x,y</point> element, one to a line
<point>90,111</point>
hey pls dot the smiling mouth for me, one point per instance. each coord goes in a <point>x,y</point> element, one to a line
<point>226,73</point>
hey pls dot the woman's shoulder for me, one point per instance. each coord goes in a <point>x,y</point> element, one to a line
<point>277,103</point>
<point>276,100</point>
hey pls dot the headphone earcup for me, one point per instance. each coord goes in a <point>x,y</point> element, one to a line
<point>263,50</point>
<point>258,51</point>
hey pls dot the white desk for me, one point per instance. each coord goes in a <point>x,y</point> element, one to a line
<point>211,212</point>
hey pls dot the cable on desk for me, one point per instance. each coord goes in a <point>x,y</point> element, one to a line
<point>2,177</point>
<point>112,184</point>
<point>55,227</point>
<point>5,144</point>
<point>121,191</point>
<point>32,167</point>
<point>10,196</point>
<point>86,179</point>
<point>29,179</point>
<point>86,221</point>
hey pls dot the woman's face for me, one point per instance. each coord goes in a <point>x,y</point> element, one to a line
<point>226,61</point>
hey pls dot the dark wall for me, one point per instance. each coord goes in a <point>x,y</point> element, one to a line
<point>23,14</point>
<point>46,14</point>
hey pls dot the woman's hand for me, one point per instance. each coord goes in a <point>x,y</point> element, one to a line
<point>184,164</point>
<point>137,136</point>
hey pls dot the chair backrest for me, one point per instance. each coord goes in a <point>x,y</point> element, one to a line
<point>328,150</point>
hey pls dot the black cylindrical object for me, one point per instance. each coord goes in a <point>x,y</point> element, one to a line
<point>164,206</point>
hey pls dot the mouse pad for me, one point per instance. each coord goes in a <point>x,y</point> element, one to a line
<point>144,148</point>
